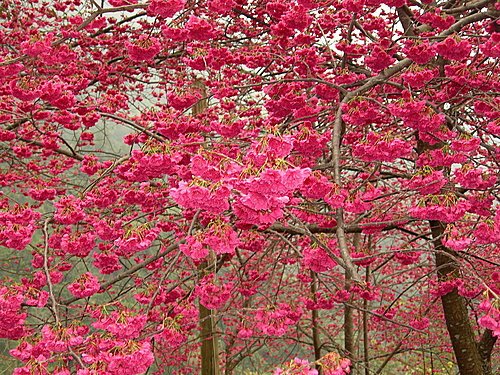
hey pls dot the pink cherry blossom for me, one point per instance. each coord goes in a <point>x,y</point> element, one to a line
<point>143,49</point>
<point>165,8</point>
<point>85,286</point>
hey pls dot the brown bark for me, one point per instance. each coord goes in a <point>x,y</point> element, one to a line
<point>208,332</point>
<point>366,343</point>
<point>315,329</point>
<point>349,328</point>
<point>470,359</point>
<point>486,345</point>
<point>456,315</point>
<point>209,343</point>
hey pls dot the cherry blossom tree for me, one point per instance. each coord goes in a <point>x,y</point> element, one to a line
<point>220,186</point>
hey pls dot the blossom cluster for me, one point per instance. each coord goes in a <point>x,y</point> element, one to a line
<point>262,198</point>
<point>17,226</point>
<point>445,208</point>
<point>276,320</point>
<point>213,293</point>
<point>491,318</point>
<point>85,286</point>
<point>12,317</point>
<point>198,197</point>
<point>377,147</point>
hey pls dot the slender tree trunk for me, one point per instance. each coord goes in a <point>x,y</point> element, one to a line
<point>366,344</point>
<point>209,343</point>
<point>349,344</point>
<point>315,328</point>
<point>349,329</point>
<point>208,332</point>
<point>208,337</point>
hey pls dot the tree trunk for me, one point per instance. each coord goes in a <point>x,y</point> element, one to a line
<point>208,332</point>
<point>366,343</point>
<point>486,345</point>
<point>209,344</point>
<point>349,328</point>
<point>349,313</point>
<point>315,328</point>
<point>467,352</point>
